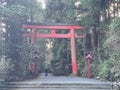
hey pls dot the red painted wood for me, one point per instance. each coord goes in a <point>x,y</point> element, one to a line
<point>34,38</point>
<point>38,35</point>
<point>73,51</point>
<point>62,27</point>
<point>89,57</point>
<point>53,31</point>
<point>89,72</point>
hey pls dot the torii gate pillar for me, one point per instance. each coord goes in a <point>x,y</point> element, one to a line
<point>73,52</point>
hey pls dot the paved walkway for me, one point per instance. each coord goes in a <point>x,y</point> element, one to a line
<point>61,83</point>
<point>62,79</point>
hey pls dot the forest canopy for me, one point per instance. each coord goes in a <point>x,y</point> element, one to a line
<point>100,18</point>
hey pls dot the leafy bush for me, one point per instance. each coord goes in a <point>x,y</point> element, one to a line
<point>5,68</point>
<point>105,70</point>
<point>58,67</point>
<point>110,69</point>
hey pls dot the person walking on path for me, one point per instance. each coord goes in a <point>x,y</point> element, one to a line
<point>46,72</point>
<point>67,69</point>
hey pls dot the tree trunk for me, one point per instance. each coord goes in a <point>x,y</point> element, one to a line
<point>114,9</point>
<point>117,8</point>
<point>92,38</point>
<point>109,10</point>
<point>98,49</point>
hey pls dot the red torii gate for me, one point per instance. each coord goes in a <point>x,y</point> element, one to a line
<point>53,27</point>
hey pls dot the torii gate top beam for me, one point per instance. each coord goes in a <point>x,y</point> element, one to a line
<point>52,26</point>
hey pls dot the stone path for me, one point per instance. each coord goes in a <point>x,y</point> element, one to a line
<point>60,83</point>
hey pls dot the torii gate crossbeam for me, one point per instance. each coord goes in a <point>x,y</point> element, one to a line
<point>54,27</point>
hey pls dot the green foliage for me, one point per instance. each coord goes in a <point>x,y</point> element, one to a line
<point>58,67</point>
<point>114,37</point>
<point>111,67</point>
<point>105,70</point>
<point>13,17</point>
<point>88,21</point>
<point>61,11</point>
<point>14,13</point>
<point>6,68</point>
<point>115,25</point>
<point>92,5</point>
<point>82,67</point>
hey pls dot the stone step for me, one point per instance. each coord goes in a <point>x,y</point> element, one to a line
<point>58,83</point>
<point>57,86</point>
<point>53,89</point>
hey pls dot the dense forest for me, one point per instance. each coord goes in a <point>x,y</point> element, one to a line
<point>100,19</point>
